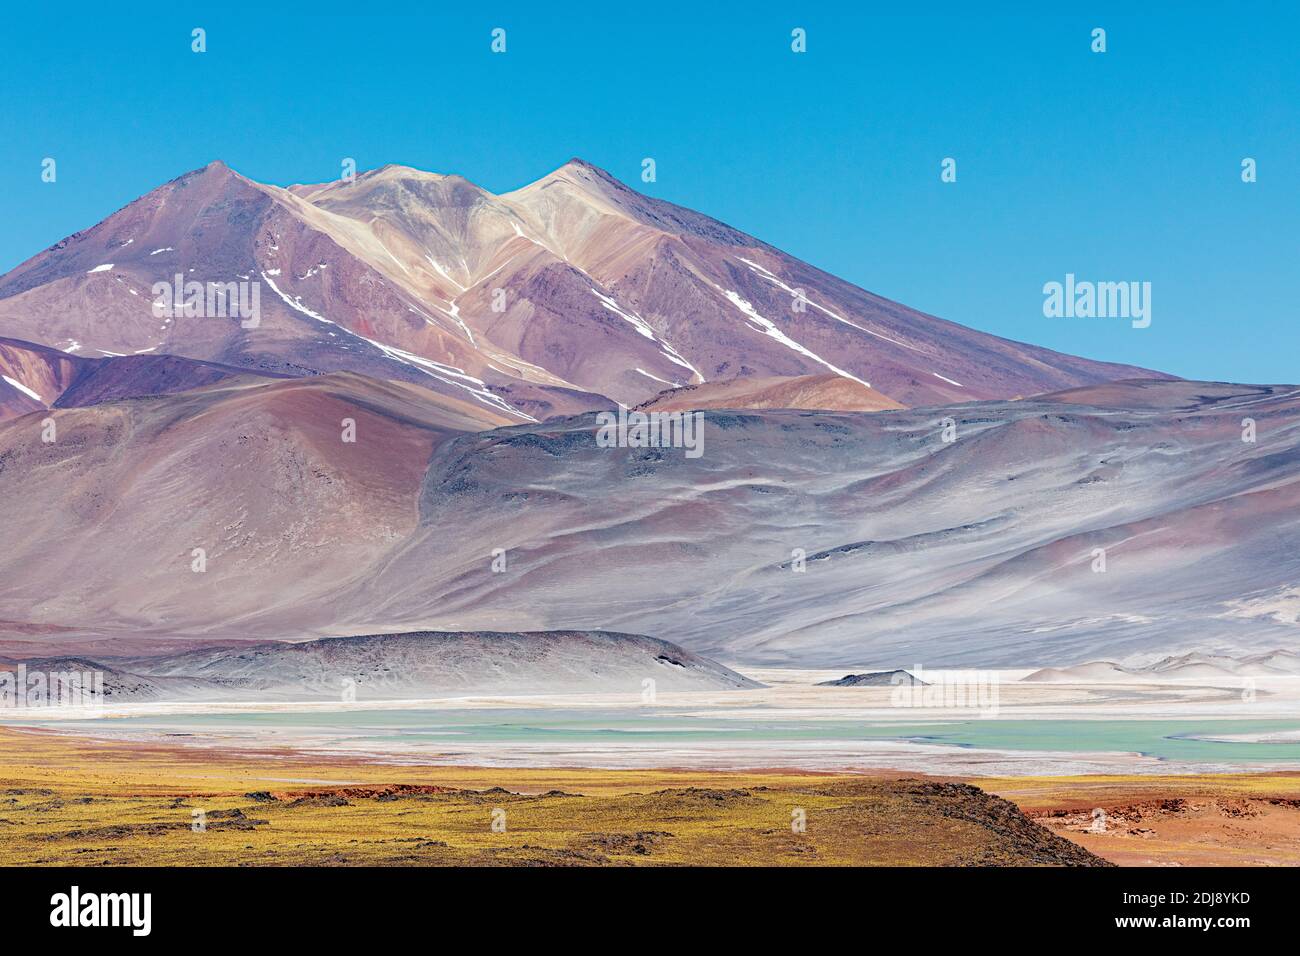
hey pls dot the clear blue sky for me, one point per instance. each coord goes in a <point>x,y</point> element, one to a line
<point>1115,166</point>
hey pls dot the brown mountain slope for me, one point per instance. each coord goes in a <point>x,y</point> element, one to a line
<point>258,475</point>
<point>36,377</point>
<point>827,392</point>
<point>140,376</point>
<point>32,377</point>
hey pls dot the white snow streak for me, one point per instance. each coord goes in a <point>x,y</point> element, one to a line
<point>443,272</point>
<point>1257,400</point>
<point>23,388</point>
<point>658,379</point>
<point>767,274</point>
<point>454,311</point>
<point>642,326</point>
<point>418,362</point>
<point>768,328</point>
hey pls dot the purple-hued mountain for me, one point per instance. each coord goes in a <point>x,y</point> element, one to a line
<point>406,441</point>
<point>552,299</point>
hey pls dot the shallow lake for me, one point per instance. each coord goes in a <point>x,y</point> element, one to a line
<point>387,731</point>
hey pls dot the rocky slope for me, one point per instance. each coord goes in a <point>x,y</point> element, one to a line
<point>1049,531</point>
<point>826,392</point>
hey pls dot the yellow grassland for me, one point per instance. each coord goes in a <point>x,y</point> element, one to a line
<point>69,800</point>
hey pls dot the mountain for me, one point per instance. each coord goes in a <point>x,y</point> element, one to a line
<point>401,436</point>
<point>405,667</point>
<point>895,678</point>
<point>398,666</point>
<point>978,551</point>
<point>1210,668</point>
<point>255,472</point>
<point>561,297</point>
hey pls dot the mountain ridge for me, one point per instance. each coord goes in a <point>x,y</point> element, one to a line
<point>524,301</point>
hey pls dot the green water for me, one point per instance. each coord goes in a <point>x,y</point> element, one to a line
<point>1162,739</point>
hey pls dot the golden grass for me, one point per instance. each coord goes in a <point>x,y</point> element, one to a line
<point>66,800</point>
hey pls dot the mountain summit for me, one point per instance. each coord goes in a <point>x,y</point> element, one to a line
<point>562,296</point>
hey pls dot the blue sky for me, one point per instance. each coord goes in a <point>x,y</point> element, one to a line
<point>1117,166</point>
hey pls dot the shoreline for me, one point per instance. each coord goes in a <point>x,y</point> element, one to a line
<point>705,736</point>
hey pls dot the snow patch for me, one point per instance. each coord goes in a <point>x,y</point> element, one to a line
<point>768,328</point>
<point>454,311</point>
<point>642,326</point>
<point>23,388</point>
<point>443,272</point>
<point>767,274</point>
<point>658,379</point>
<point>446,374</point>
